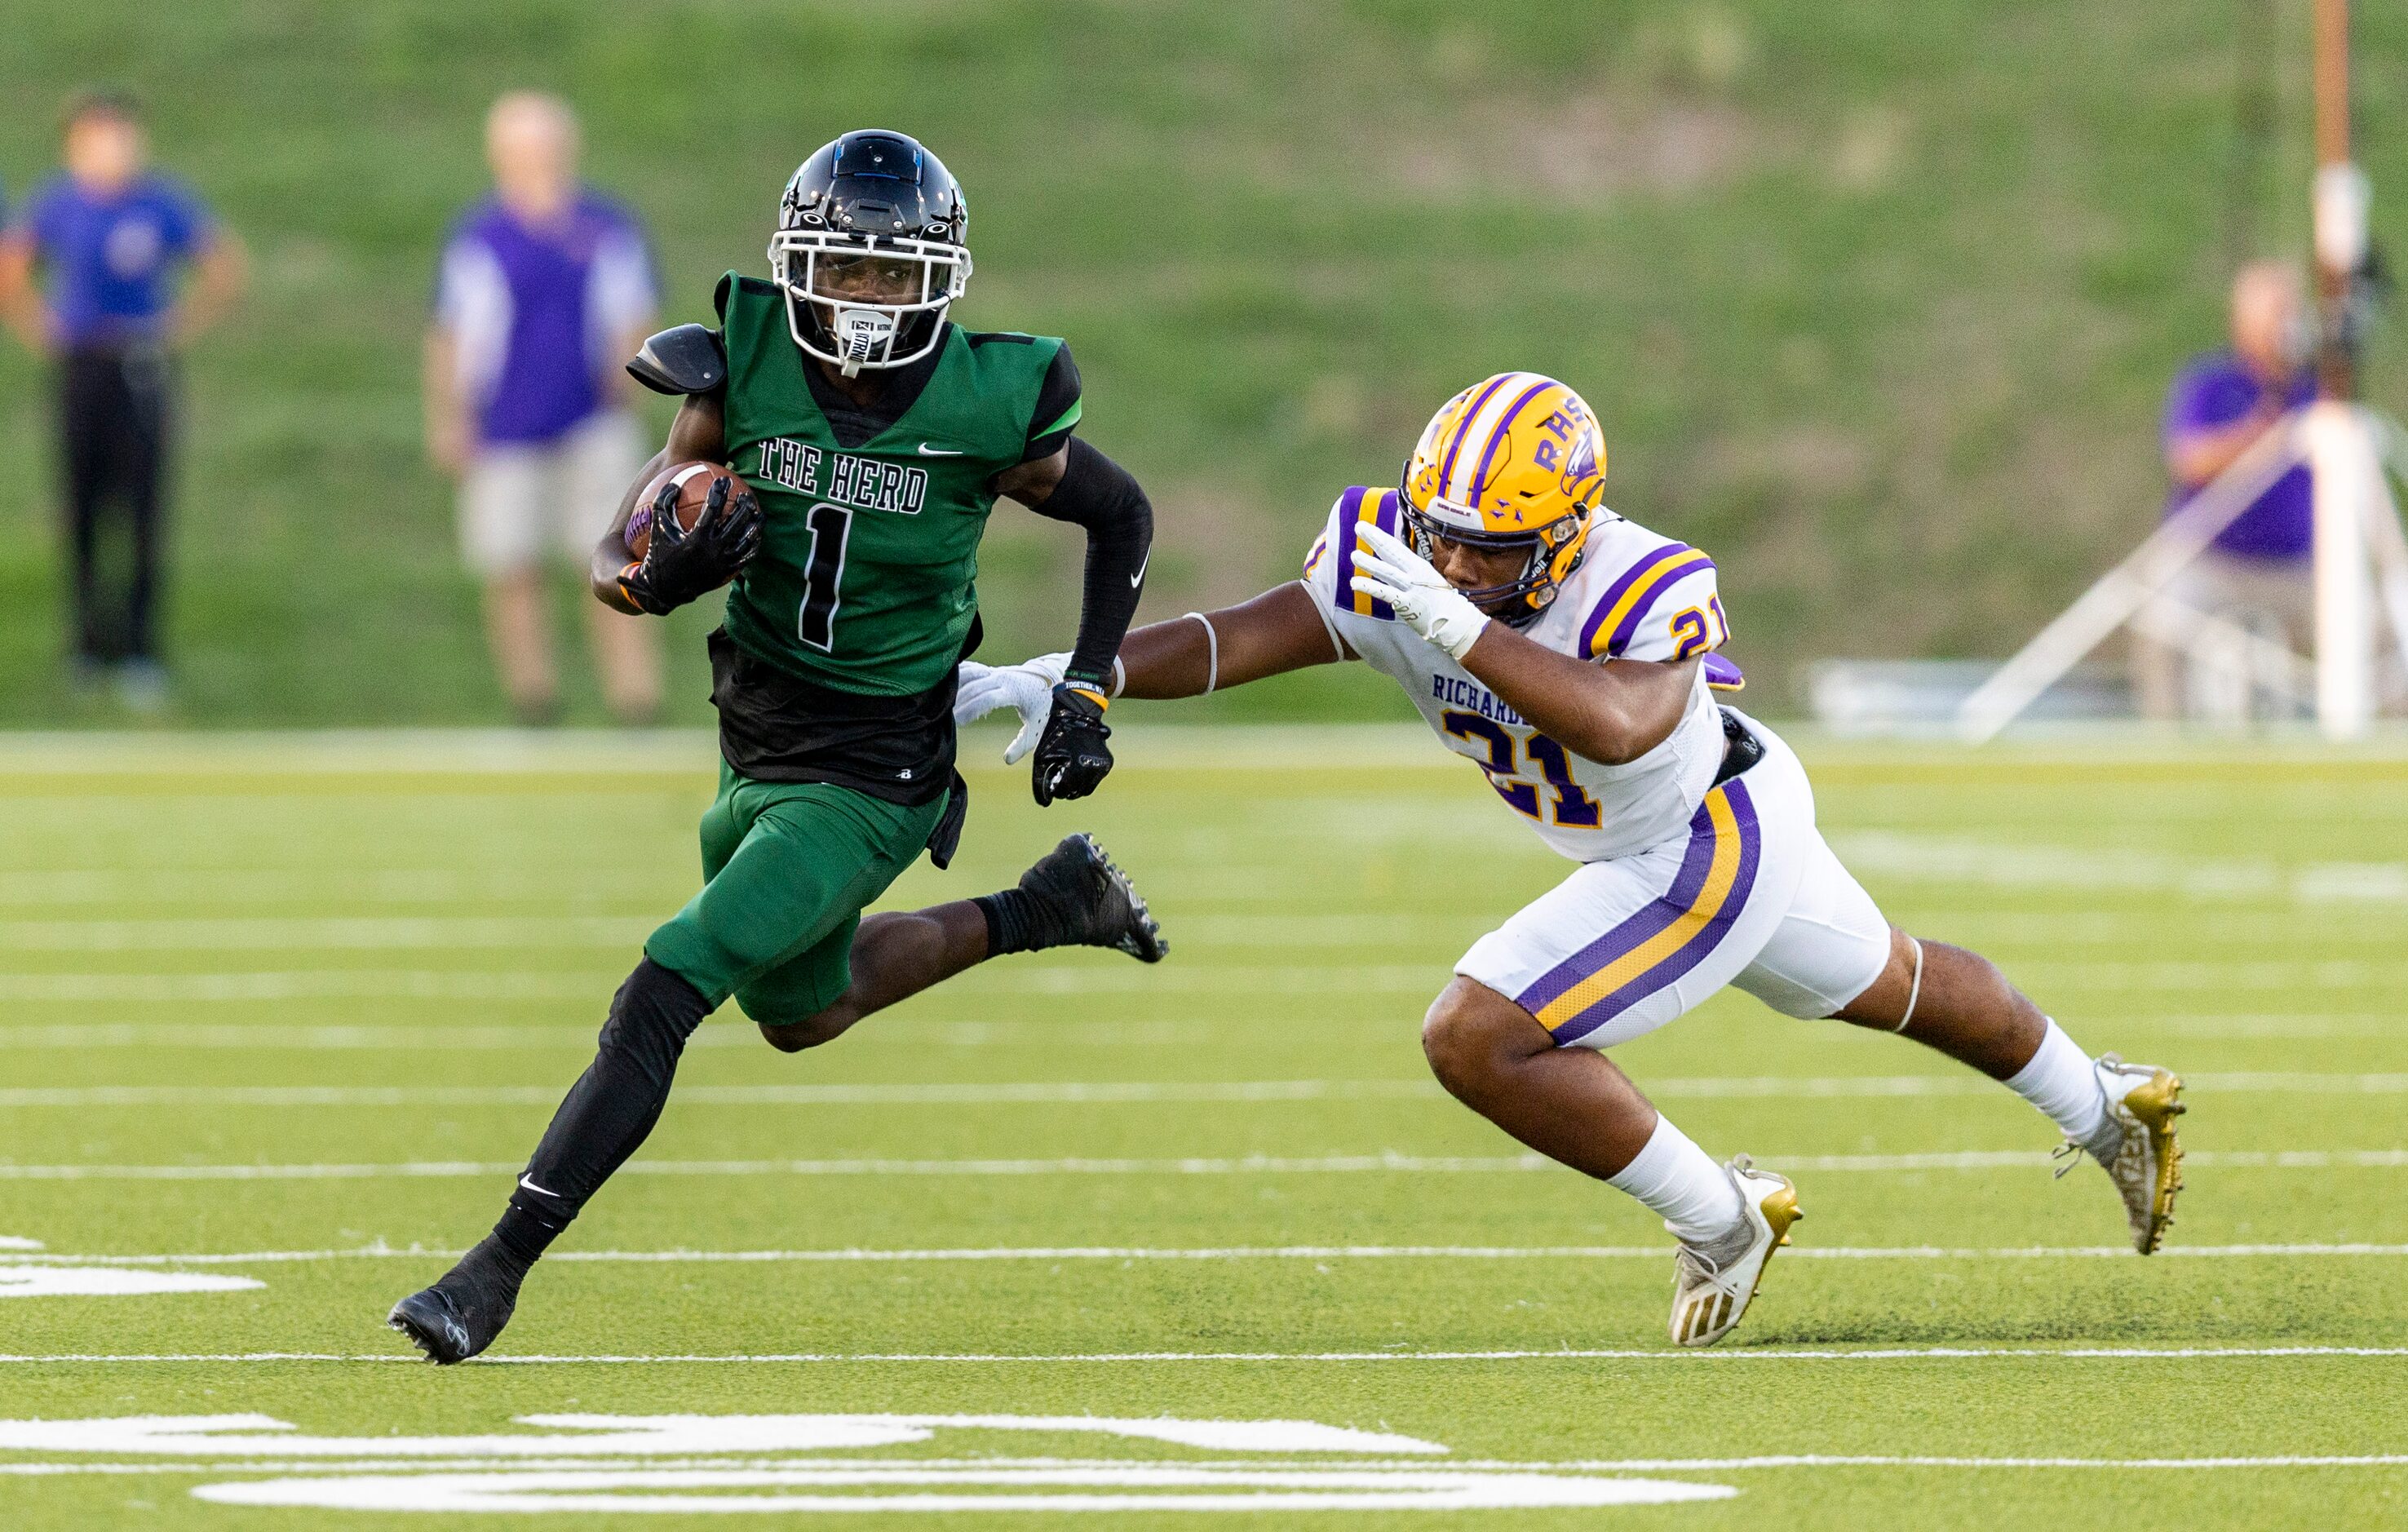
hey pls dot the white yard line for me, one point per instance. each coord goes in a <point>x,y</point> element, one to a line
<point>901,1093</point>
<point>1390,1164</point>
<point>913,1032</point>
<point>1901,1353</point>
<point>447,933</point>
<point>309,984</point>
<point>1231,1253</point>
<point>1291,982</point>
<point>1992,864</point>
<point>595,986</point>
<point>1638,1465</point>
<point>1105,1092</point>
<point>1826,1460</point>
<point>380,933</point>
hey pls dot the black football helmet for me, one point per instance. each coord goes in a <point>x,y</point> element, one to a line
<point>871,249</point>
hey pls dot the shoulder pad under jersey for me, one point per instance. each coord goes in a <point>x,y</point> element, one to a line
<point>689,358</point>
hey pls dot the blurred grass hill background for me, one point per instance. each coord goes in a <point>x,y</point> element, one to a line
<point>1877,300</point>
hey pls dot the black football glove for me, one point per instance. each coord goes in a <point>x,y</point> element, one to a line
<point>682,563</point>
<point>1071,756</point>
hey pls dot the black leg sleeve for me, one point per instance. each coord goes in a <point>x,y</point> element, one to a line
<point>1099,494</point>
<point>610,1110</point>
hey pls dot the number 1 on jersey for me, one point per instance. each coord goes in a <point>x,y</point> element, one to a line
<point>824,574</point>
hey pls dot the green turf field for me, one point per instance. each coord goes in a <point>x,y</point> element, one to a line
<point>285,1013</point>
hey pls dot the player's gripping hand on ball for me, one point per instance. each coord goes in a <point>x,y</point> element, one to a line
<point>683,563</point>
<point>1422,597</point>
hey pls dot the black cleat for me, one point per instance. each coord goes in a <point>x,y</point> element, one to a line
<point>459,1316</point>
<point>1094,900</point>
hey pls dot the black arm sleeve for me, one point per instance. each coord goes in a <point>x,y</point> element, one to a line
<point>1097,494</point>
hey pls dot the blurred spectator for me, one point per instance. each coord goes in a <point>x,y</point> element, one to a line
<point>546,289</point>
<point>2257,573</point>
<point>108,238</point>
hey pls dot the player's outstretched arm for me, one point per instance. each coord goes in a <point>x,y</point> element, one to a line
<point>1278,631</point>
<point>699,432</point>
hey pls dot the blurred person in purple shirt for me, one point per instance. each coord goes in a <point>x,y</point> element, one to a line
<point>546,289</point>
<point>89,275</point>
<point>2258,572</point>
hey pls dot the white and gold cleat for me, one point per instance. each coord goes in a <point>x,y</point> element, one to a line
<point>2146,1168</point>
<point>1713,1284</point>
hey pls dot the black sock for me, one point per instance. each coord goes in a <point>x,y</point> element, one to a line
<point>606,1116</point>
<point>1018,921</point>
<point>496,1254</point>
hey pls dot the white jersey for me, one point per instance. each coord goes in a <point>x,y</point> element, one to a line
<point>1635,595</point>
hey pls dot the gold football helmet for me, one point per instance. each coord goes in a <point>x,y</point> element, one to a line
<point>1516,461</point>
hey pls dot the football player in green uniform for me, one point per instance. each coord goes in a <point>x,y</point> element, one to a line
<point>872,436</point>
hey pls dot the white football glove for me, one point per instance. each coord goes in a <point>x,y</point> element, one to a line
<point>1026,688</point>
<point>1423,600</point>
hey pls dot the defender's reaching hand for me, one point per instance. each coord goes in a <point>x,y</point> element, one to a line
<point>1424,601</point>
<point>1026,688</point>
<point>1072,755</point>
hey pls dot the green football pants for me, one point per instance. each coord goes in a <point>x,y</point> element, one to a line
<point>786,868</point>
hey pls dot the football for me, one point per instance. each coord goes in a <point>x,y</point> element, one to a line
<point>693,481</point>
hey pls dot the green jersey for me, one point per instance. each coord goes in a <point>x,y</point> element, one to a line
<point>866,577</point>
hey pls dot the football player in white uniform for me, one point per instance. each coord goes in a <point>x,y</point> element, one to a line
<point>1570,654</point>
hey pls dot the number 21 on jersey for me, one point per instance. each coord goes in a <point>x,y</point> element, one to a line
<point>1572,808</point>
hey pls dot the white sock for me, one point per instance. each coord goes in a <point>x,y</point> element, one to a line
<point>1675,1179</point>
<point>2062,1081</point>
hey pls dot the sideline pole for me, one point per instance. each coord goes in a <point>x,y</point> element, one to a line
<point>2341,448</point>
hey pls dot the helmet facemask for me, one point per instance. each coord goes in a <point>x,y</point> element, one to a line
<point>859,300</point>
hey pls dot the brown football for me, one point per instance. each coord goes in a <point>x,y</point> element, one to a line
<point>693,481</point>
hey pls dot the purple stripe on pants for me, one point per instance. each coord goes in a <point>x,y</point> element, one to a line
<point>1661,914</point>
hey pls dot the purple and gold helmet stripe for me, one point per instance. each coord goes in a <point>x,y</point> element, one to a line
<point>1665,938</point>
<point>1461,431</point>
<point>1496,437</point>
<point>1625,602</point>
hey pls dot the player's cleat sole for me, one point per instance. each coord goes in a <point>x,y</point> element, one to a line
<point>1095,901</point>
<point>1710,1295</point>
<point>2147,1168</point>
